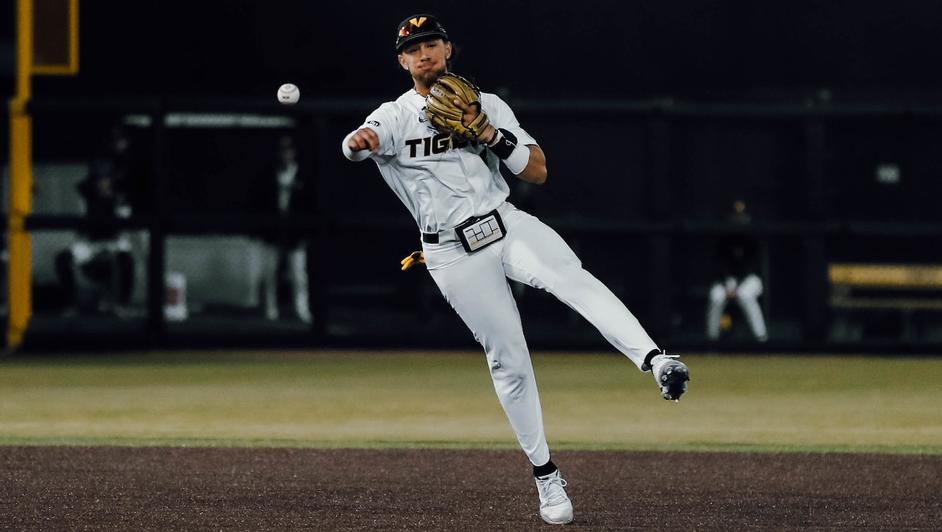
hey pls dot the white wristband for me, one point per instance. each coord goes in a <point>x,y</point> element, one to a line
<point>518,159</point>
<point>354,156</point>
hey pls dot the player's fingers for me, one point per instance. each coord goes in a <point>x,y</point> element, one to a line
<point>372,139</point>
<point>361,140</point>
<point>461,105</point>
<point>357,143</point>
<point>354,143</point>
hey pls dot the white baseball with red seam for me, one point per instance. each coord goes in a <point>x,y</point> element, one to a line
<point>289,94</point>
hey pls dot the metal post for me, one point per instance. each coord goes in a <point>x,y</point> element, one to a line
<point>658,181</point>
<point>319,258</point>
<point>815,246</point>
<point>156,267</point>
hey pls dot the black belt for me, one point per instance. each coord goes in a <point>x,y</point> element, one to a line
<point>430,238</point>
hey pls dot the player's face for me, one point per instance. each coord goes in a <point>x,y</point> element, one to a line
<point>426,60</point>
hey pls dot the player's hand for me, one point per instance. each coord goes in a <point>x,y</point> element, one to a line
<point>469,113</point>
<point>364,139</point>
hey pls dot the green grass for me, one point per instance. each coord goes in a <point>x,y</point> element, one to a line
<point>407,399</point>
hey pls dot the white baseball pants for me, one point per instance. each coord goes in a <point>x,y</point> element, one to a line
<point>476,287</point>
<point>297,262</point>
<point>747,295</point>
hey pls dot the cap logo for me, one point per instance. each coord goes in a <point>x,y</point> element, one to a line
<point>415,22</point>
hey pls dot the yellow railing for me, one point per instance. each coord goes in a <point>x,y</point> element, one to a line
<point>900,276</point>
<point>19,275</point>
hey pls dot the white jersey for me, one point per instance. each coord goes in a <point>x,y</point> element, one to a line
<point>442,184</point>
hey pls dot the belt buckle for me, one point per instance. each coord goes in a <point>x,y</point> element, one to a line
<point>478,232</point>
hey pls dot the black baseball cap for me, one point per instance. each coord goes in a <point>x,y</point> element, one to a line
<point>417,28</point>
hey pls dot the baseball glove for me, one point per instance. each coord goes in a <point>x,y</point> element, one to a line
<point>416,257</point>
<point>446,116</point>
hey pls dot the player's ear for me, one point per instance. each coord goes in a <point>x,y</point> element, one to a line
<point>402,62</point>
<point>447,49</point>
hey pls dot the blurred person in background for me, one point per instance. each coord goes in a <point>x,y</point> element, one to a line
<point>101,255</point>
<point>737,280</point>
<point>282,192</point>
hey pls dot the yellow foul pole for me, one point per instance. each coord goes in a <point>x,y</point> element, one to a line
<point>19,278</point>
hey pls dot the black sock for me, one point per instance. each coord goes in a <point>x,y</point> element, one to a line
<point>647,360</point>
<point>545,469</point>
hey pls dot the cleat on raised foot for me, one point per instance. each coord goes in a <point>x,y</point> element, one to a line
<point>671,376</point>
<point>555,506</point>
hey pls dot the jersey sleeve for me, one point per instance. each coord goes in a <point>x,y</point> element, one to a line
<point>502,117</point>
<point>385,122</point>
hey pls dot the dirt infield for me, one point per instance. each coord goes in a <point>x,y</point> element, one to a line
<point>118,488</point>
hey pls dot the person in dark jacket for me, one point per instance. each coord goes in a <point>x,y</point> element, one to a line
<point>283,191</point>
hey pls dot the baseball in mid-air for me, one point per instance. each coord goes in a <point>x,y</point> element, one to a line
<point>289,94</point>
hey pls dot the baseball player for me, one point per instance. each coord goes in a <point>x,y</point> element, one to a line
<point>737,280</point>
<point>439,147</point>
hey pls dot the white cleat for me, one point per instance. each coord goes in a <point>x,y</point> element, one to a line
<point>671,376</point>
<point>555,506</point>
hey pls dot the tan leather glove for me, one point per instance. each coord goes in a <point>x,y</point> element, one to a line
<point>416,257</point>
<point>446,116</point>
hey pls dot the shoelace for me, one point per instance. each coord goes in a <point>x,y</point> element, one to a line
<point>552,489</point>
<point>662,361</point>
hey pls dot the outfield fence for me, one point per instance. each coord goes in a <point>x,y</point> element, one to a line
<point>641,190</point>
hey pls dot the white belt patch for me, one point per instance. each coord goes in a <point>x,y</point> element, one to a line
<point>482,232</point>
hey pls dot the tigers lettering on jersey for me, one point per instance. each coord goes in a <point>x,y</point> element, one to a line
<point>438,144</point>
<point>441,181</point>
